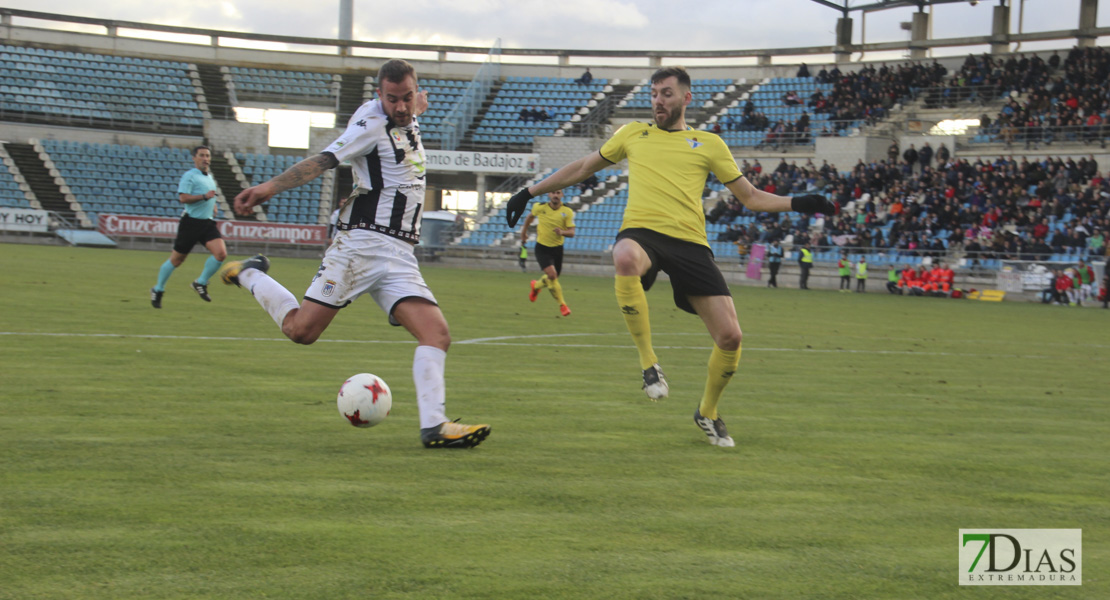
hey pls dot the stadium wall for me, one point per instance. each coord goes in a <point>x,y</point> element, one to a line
<point>253,138</point>
<point>556,152</point>
<point>844,152</point>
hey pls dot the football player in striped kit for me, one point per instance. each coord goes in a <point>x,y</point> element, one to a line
<point>372,252</point>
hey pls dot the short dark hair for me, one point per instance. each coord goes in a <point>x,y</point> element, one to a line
<point>395,71</point>
<point>678,72</point>
<point>199,148</point>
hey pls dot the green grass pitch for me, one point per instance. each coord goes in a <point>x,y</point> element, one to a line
<point>193,452</point>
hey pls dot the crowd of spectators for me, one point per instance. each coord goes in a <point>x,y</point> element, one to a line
<point>1049,100</point>
<point>868,94</point>
<point>985,77</point>
<point>1006,208</point>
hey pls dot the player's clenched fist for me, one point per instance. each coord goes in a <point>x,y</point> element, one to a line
<point>249,198</point>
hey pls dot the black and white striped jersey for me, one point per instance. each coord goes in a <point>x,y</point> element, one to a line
<point>388,163</point>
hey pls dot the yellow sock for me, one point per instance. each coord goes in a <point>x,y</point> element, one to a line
<point>556,290</point>
<point>542,282</point>
<point>633,304</point>
<point>722,365</point>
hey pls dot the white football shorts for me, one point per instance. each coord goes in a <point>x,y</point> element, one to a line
<point>367,262</point>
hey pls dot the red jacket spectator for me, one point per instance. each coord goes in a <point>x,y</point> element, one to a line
<point>1040,230</point>
<point>1063,283</point>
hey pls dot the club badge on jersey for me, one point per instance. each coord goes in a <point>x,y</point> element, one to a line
<point>407,146</point>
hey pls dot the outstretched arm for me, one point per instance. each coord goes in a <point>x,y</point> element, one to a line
<point>295,176</point>
<point>571,174</point>
<point>757,200</point>
<point>575,172</point>
<point>761,201</point>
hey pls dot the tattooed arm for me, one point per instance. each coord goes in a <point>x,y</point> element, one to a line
<point>295,176</point>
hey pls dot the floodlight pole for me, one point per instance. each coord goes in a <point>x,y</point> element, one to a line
<point>919,32</point>
<point>1000,30</point>
<point>346,24</point>
<point>1088,20</point>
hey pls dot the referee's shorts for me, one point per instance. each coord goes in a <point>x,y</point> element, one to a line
<point>191,231</point>
<point>690,266</point>
<point>550,256</point>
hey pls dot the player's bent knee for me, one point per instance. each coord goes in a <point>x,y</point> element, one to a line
<point>300,333</point>
<point>729,340</point>
<point>438,337</point>
<point>300,336</point>
<point>626,264</point>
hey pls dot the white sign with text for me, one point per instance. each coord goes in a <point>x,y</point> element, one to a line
<point>24,219</point>
<point>481,162</point>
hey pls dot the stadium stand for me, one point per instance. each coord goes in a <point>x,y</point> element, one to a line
<point>702,89</point>
<point>965,211</point>
<point>493,231</point>
<point>1043,103</point>
<point>96,89</point>
<point>11,196</point>
<point>443,94</point>
<point>765,113</point>
<point>271,84</point>
<point>794,111</point>
<point>111,178</point>
<point>559,98</point>
<point>598,224</point>
<point>300,205</point>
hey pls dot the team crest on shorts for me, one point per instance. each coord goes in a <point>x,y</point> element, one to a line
<point>329,288</point>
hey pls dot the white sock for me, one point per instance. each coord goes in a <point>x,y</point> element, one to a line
<point>270,294</point>
<point>427,374</point>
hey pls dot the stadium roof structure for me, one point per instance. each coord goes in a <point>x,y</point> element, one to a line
<point>887,4</point>
<point>999,39</point>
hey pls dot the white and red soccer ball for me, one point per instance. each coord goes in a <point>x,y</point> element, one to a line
<point>364,400</point>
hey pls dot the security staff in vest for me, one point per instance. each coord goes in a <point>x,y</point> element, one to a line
<point>805,261</point>
<point>861,275</point>
<point>774,261</point>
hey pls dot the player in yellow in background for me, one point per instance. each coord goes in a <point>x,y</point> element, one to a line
<point>664,230</point>
<point>555,223</point>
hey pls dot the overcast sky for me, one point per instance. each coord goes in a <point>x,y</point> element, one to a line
<point>574,24</point>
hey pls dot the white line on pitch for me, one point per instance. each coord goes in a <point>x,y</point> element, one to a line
<point>501,341</point>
